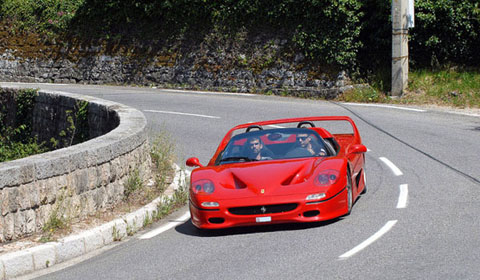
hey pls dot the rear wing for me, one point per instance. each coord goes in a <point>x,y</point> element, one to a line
<point>275,123</point>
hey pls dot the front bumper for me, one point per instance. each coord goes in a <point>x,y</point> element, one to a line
<point>305,211</point>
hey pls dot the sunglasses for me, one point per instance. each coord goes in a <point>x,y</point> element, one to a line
<point>302,138</point>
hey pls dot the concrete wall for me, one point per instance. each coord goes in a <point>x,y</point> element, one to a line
<point>76,181</point>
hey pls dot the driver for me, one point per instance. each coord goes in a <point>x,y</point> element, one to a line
<point>257,150</point>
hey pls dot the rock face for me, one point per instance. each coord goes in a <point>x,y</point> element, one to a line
<point>255,65</point>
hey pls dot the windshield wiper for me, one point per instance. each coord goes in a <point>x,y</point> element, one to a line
<point>237,159</point>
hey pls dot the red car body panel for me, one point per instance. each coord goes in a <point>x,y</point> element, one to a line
<point>276,190</point>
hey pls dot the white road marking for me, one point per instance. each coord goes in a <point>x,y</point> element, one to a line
<point>388,226</point>
<point>166,227</point>
<point>386,106</point>
<point>395,170</point>
<point>403,198</point>
<point>180,113</point>
<point>208,92</point>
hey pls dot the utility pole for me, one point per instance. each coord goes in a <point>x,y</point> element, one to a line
<point>402,19</point>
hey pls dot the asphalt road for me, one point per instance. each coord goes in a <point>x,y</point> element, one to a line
<point>431,232</point>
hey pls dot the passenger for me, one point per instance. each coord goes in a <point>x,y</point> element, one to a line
<point>306,146</point>
<point>257,150</point>
<point>311,146</point>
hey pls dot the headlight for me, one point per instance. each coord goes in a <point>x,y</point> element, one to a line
<point>326,178</point>
<point>315,196</point>
<point>210,204</point>
<point>203,186</point>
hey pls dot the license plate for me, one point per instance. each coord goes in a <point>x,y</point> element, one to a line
<point>264,219</point>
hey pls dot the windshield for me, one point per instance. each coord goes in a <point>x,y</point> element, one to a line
<point>272,144</point>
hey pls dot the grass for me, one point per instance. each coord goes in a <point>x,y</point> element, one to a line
<point>136,194</point>
<point>445,87</point>
<point>58,218</point>
<point>162,153</point>
<point>450,87</point>
<point>134,183</point>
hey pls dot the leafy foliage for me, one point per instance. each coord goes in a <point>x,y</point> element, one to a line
<point>43,15</point>
<point>446,31</point>
<point>341,33</point>
<point>15,138</point>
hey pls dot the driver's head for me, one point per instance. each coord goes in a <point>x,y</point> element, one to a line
<point>255,144</point>
<point>303,139</point>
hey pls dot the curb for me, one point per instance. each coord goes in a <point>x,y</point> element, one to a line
<point>46,255</point>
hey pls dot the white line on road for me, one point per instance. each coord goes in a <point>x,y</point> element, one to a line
<point>208,92</point>
<point>166,227</point>
<point>395,170</point>
<point>388,226</point>
<point>386,106</point>
<point>184,114</point>
<point>402,199</point>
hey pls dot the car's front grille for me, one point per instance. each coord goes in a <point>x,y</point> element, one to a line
<point>263,209</point>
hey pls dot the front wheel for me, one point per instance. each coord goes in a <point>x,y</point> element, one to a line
<point>349,194</point>
<point>364,191</point>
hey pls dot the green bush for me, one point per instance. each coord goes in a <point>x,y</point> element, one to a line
<point>446,31</point>
<point>41,15</point>
<point>339,33</point>
<point>325,30</point>
<point>15,134</point>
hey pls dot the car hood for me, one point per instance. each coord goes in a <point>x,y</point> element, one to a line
<point>274,177</point>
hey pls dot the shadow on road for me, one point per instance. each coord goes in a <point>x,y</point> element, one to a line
<point>188,228</point>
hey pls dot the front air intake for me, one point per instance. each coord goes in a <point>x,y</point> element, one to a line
<point>216,220</point>
<point>263,209</point>
<point>311,213</point>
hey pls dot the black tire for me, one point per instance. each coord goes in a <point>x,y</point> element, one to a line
<point>364,191</point>
<point>349,193</point>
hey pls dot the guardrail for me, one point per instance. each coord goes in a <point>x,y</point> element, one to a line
<point>75,181</point>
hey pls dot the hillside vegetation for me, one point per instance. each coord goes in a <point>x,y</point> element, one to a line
<point>352,35</point>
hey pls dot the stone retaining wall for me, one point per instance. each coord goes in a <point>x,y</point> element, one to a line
<point>76,181</point>
<point>257,66</point>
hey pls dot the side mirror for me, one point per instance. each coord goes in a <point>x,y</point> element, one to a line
<point>357,149</point>
<point>193,162</point>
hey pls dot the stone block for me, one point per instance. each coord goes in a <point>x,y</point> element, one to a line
<point>93,240</point>
<point>69,248</point>
<point>4,205</point>
<point>2,238</point>
<point>15,172</point>
<point>120,230</point>
<point>13,205</point>
<point>42,215</point>
<point>81,177</point>
<point>20,225</point>
<point>34,194</point>
<point>104,174</point>
<point>101,198</point>
<point>2,270</point>
<point>43,255</point>
<point>78,157</point>
<point>106,231</point>
<point>23,197</point>
<point>17,263</point>
<point>30,221</point>
<point>93,177</point>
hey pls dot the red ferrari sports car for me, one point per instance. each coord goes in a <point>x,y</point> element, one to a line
<point>279,171</point>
